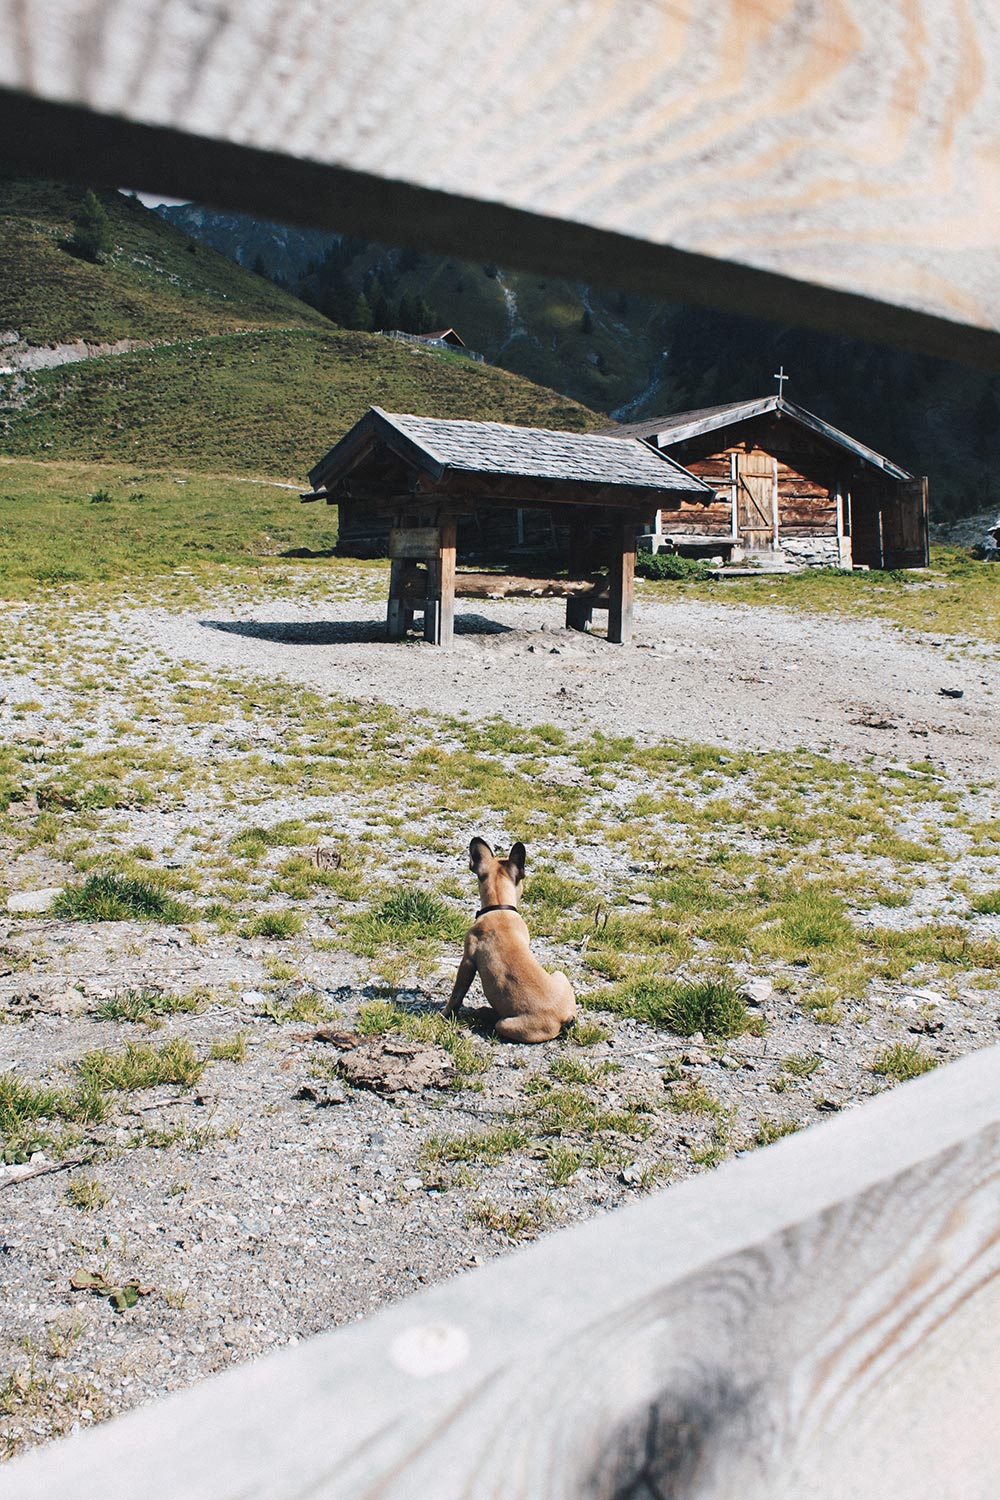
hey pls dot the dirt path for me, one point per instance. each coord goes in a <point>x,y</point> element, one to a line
<point>745,678</point>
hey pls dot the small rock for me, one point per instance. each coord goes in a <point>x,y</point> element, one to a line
<point>253,997</point>
<point>630,1175</point>
<point>640,898</point>
<point>323,1094</point>
<point>926,997</point>
<point>696,1057</point>
<point>951,692</point>
<point>756,991</point>
<point>412,1184</point>
<point>34,901</point>
<point>697,1038</point>
<point>66,1003</point>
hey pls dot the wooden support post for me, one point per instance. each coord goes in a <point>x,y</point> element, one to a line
<point>396,611</point>
<point>621,576</point>
<point>578,612</point>
<point>439,614</point>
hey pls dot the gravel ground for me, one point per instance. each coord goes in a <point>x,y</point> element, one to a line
<point>749,678</point>
<point>256,1218</point>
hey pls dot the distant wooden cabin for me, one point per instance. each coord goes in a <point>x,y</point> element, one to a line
<point>444,336</point>
<point>416,480</point>
<point>788,483</point>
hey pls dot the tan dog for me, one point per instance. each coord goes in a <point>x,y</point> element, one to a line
<point>528,1003</point>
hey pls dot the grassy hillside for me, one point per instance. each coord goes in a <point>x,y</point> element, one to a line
<point>258,403</point>
<point>157,283</point>
<point>69,522</point>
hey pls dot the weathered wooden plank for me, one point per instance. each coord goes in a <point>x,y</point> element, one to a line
<point>621,584</point>
<point>837,160</point>
<point>472,585</point>
<point>417,542</point>
<point>815,1321</point>
<point>445,578</point>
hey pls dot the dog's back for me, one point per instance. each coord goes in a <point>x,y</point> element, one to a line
<point>531,1004</point>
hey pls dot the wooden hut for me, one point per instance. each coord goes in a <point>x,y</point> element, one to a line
<point>418,475</point>
<point>787,483</point>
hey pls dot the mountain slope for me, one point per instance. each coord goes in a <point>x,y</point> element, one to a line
<point>232,373</point>
<point>631,357</point>
<point>267,403</point>
<point>158,283</point>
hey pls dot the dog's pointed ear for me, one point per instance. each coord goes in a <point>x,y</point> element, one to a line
<point>480,854</point>
<point>518,857</point>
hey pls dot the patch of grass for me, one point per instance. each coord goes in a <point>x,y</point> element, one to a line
<point>139,1066</point>
<point>693,1099</point>
<point>486,1147</point>
<point>669,565</point>
<point>36,1405</point>
<point>901,1061</point>
<point>119,898</point>
<point>512,1223</point>
<point>562,1163</point>
<point>561,1111</point>
<point>712,1006</point>
<point>587,1033</point>
<point>145,1007</point>
<point>278,925</point>
<point>87,1193</point>
<point>801,1064</point>
<point>573,1070</point>
<point>307,1006</point>
<point>407,916</point>
<point>986,904</point>
<point>772,1130</point>
<point>229,1049</point>
<point>31,1113</point>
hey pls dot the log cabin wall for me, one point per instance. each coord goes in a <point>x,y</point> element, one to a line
<point>807,474</point>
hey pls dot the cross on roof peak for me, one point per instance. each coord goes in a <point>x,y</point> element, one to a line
<point>781,377</point>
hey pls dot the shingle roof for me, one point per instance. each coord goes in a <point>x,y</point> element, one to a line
<point>533,452</point>
<point>681,425</point>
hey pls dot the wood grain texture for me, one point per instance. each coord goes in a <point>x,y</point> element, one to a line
<point>833,161</point>
<point>815,1321</point>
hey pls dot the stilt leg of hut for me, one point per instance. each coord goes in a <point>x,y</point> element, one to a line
<point>396,613</point>
<point>578,612</point>
<point>621,577</point>
<point>439,615</point>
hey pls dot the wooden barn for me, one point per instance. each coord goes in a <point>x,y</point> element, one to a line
<point>414,479</point>
<point>788,485</point>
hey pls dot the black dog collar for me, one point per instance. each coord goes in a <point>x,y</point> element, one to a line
<point>494,908</point>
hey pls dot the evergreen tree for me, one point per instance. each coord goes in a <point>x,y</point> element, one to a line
<point>92,236</point>
<point>409,313</point>
<point>362,317</point>
<point>586,323</point>
<point>426,319</point>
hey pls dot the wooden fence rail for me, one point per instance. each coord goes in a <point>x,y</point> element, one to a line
<point>834,162</point>
<point>816,1321</point>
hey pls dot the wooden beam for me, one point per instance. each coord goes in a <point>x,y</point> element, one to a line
<point>621,577</point>
<point>580,612</point>
<point>817,1319</point>
<point>701,153</point>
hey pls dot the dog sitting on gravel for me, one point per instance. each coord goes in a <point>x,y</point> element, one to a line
<point>527,1002</point>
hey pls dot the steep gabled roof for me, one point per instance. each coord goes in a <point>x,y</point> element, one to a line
<point>438,446</point>
<point>681,425</point>
<point>442,333</point>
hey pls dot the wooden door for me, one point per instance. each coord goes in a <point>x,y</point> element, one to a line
<point>904,520</point>
<point>756,500</point>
